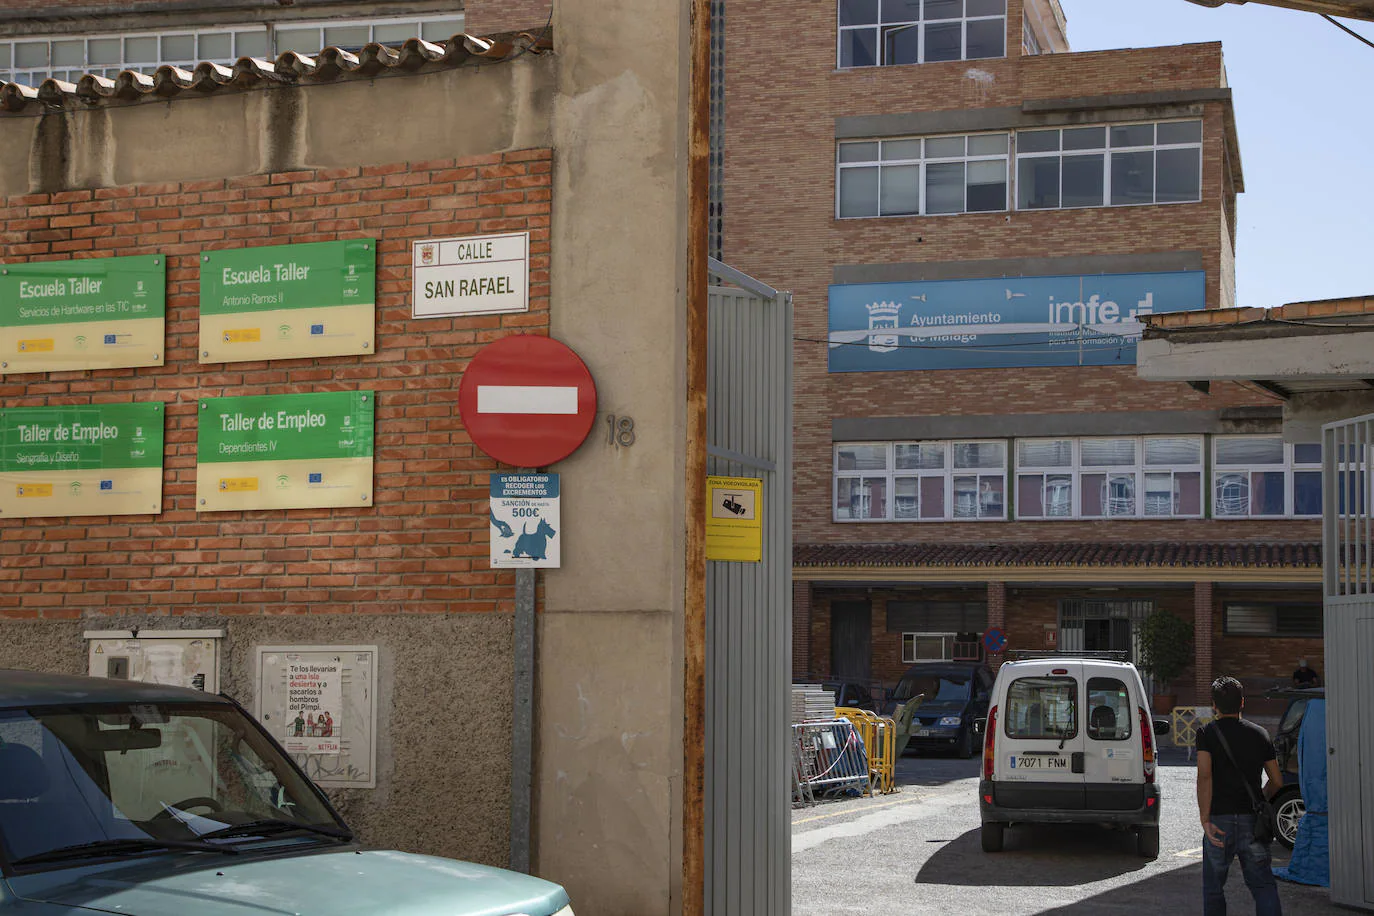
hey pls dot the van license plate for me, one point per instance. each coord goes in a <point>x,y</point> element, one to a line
<point>1039,763</point>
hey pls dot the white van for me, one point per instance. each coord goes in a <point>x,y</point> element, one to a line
<point>1069,740</point>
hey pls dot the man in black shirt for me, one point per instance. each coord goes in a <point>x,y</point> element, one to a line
<point>1228,815</point>
<point>1304,676</point>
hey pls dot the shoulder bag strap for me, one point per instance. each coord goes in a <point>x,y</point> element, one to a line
<point>1225,746</point>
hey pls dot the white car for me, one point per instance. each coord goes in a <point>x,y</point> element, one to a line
<point>1069,740</point>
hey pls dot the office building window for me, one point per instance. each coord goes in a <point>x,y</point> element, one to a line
<point>1264,477</point>
<point>920,481</point>
<point>32,60</point>
<point>1124,477</point>
<point>875,33</point>
<point>922,176</point>
<point>1244,618</point>
<point>1109,165</point>
<point>1030,45</point>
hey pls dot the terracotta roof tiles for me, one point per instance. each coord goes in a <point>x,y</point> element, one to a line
<point>289,68</point>
<point>1211,554</point>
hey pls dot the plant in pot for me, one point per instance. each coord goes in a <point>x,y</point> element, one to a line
<point>1166,650</point>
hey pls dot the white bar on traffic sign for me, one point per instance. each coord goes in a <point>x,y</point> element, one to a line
<point>526,399</point>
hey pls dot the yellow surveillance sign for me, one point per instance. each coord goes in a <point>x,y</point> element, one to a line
<point>734,519</point>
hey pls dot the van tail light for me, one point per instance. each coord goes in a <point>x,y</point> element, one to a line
<point>989,742</point>
<point>1147,743</point>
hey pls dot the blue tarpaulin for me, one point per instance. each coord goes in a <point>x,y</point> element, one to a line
<point>1311,861</point>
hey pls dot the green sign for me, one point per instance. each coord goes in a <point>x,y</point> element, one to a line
<point>288,301</point>
<point>96,313</point>
<point>103,459</point>
<point>291,451</point>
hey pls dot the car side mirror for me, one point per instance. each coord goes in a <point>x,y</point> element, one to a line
<point>979,726</point>
<point>1161,727</point>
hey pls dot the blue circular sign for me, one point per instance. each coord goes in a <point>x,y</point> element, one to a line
<point>995,640</point>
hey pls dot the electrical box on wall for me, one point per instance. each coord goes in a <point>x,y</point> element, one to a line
<point>320,702</point>
<point>180,658</point>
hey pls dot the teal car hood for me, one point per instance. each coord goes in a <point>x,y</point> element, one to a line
<point>333,883</point>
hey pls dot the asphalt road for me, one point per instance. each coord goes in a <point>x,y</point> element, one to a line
<point>918,852</point>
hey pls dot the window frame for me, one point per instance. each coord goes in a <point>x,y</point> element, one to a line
<point>1288,467</point>
<point>1106,151</point>
<point>947,472</point>
<point>1076,470</point>
<point>881,29</point>
<point>1087,704</point>
<point>909,639</point>
<point>1042,736</point>
<point>1275,631</point>
<point>880,163</point>
<point>34,76</point>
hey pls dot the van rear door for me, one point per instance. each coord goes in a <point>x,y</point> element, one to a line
<point>1040,745</point>
<point>1114,768</point>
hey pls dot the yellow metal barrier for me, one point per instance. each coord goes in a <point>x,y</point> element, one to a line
<point>879,734</point>
<point>1184,723</point>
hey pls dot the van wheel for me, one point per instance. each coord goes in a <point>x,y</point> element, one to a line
<point>965,747</point>
<point>992,836</point>
<point>1147,842</point>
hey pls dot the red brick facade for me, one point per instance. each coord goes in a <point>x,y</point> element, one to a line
<point>484,17</point>
<point>783,94</point>
<point>422,546</point>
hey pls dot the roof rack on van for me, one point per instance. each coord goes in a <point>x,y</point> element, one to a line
<point>1021,655</point>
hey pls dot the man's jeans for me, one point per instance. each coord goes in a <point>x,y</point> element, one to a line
<point>1254,865</point>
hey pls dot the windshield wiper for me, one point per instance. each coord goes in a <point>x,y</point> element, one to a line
<point>115,847</point>
<point>269,826</point>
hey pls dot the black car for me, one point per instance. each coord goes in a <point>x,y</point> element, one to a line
<point>955,694</point>
<point>1288,803</point>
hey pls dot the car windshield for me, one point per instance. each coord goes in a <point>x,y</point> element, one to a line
<point>98,779</point>
<point>940,689</point>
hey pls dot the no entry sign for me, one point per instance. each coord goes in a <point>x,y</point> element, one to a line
<point>528,401</point>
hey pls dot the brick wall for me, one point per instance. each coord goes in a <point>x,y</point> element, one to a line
<point>484,17</point>
<point>422,546</point>
<point>1263,657</point>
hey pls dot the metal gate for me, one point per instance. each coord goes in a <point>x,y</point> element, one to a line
<point>1347,539</point>
<point>749,605</point>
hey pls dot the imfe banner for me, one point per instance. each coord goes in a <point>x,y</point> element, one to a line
<point>97,313</point>
<point>289,451</point>
<point>288,301</point>
<point>104,459</point>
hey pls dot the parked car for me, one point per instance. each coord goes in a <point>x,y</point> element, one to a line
<point>846,693</point>
<point>1069,740</point>
<point>124,797</point>
<point>1288,804</point>
<point>955,694</point>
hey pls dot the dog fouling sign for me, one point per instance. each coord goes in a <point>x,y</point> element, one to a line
<point>525,527</point>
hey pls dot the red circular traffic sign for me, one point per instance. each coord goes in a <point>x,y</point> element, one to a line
<point>527,400</point>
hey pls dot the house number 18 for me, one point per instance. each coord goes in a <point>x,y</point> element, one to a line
<point>621,432</point>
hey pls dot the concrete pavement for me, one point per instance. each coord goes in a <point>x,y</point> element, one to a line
<point>918,852</point>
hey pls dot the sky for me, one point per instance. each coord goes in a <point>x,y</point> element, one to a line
<point>1304,99</point>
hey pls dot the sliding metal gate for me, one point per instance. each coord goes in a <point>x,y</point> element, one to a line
<point>1347,540</point>
<point>749,605</point>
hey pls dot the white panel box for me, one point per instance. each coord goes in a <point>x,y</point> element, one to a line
<point>179,658</point>
<point>320,703</point>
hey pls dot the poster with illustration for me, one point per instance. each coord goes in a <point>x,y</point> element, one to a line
<point>314,706</point>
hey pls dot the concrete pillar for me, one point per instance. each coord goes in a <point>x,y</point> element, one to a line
<point>1202,641</point>
<point>801,628</point>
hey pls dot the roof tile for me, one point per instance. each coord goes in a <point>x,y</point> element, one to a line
<point>1256,554</point>
<point>289,68</point>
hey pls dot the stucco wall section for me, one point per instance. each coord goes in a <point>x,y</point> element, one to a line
<point>443,718</point>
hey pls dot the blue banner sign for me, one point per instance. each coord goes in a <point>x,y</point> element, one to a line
<point>1003,322</point>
